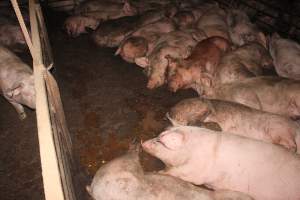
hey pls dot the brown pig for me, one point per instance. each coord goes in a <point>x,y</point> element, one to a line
<point>271,94</point>
<point>246,61</point>
<point>76,25</point>
<point>105,10</point>
<point>138,43</point>
<point>16,82</point>
<point>175,44</point>
<point>123,179</point>
<point>286,56</point>
<point>238,119</point>
<point>228,161</point>
<point>204,58</point>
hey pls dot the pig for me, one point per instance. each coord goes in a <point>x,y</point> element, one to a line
<point>238,119</point>
<point>246,61</point>
<point>204,58</point>
<point>11,36</point>
<point>111,33</point>
<point>213,23</point>
<point>123,179</point>
<point>188,17</point>
<point>76,25</point>
<point>142,40</point>
<point>105,10</point>
<point>286,56</point>
<point>268,93</point>
<point>176,44</point>
<point>228,161</point>
<point>16,82</point>
<point>242,31</point>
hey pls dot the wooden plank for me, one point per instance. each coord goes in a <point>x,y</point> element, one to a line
<point>50,170</point>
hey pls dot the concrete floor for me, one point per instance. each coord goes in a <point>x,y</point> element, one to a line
<point>107,105</point>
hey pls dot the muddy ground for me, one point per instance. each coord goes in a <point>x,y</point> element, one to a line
<point>107,105</point>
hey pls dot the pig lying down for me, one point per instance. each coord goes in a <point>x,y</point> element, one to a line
<point>242,31</point>
<point>247,61</point>
<point>105,10</point>
<point>228,161</point>
<point>286,55</point>
<point>16,82</point>
<point>238,119</point>
<point>138,43</point>
<point>76,25</point>
<point>175,44</point>
<point>123,179</point>
<point>272,94</point>
<point>213,22</point>
<point>204,58</point>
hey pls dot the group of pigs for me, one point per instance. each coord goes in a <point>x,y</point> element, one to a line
<point>254,153</point>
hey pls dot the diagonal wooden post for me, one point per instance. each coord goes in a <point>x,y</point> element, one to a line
<point>50,169</point>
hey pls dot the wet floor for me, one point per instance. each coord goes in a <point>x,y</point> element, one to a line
<point>107,106</point>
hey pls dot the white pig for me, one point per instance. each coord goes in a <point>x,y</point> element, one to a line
<point>238,119</point>
<point>123,179</point>
<point>146,36</point>
<point>76,25</point>
<point>228,161</point>
<point>286,56</point>
<point>16,81</point>
<point>271,94</point>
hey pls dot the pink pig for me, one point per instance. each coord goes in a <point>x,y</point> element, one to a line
<point>16,82</point>
<point>227,161</point>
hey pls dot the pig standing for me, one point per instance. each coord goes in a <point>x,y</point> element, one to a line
<point>76,25</point>
<point>123,179</point>
<point>242,31</point>
<point>246,61</point>
<point>204,59</point>
<point>238,119</point>
<point>213,22</point>
<point>16,81</point>
<point>271,94</point>
<point>142,40</point>
<point>227,161</point>
<point>286,56</point>
<point>176,44</point>
<point>105,10</point>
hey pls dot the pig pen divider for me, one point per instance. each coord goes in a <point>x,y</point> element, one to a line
<point>54,138</point>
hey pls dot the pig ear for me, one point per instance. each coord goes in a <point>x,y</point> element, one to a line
<point>118,51</point>
<point>206,80</point>
<point>172,140</point>
<point>142,62</point>
<point>128,9</point>
<point>173,122</point>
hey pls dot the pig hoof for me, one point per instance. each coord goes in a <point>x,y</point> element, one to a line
<point>22,116</point>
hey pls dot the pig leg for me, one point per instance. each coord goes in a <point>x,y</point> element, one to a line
<point>159,67</point>
<point>20,110</point>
